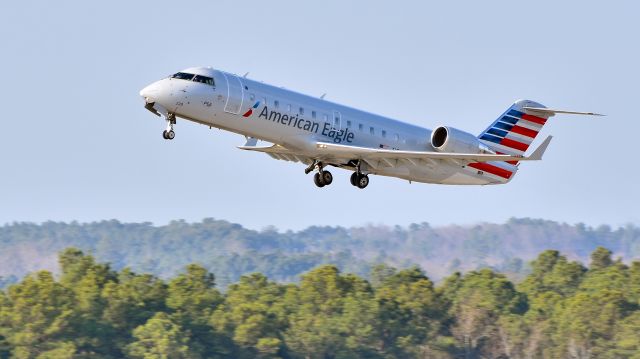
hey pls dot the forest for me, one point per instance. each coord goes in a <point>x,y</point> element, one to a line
<point>561,309</point>
<point>230,250</point>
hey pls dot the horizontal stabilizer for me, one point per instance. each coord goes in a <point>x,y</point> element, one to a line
<point>551,112</point>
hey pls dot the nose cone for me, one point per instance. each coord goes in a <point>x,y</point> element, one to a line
<point>150,92</point>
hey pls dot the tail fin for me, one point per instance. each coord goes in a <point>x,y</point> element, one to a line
<point>516,128</point>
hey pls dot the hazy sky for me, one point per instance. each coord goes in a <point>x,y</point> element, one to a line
<point>77,143</point>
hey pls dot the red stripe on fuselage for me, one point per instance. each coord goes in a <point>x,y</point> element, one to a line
<point>524,131</point>
<point>485,167</point>
<point>514,144</point>
<point>534,119</point>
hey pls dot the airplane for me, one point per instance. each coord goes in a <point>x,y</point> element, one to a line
<point>320,133</point>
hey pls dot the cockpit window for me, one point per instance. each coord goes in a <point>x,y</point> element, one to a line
<point>204,79</point>
<point>183,76</point>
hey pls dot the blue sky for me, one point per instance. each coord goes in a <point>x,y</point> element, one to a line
<point>77,143</point>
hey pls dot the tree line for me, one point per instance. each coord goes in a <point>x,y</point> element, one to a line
<point>231,250</point>
<point>562,309</point>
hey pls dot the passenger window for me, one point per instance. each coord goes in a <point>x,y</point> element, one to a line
<point>372,131</point>
<point>325,118</point>
<point>384,134</point>
<point>313,115</point>
<point>360,127</point>
<point>396,137</point>
<point>348,123</point>
<point>264,100</point>
<point>276,103</point>
<point>289,108</point>
<point>252,97</point>
<point>301,111</point>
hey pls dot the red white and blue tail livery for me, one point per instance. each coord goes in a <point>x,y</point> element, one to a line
<point>320,134</point>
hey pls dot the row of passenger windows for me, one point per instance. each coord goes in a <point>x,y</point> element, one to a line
<point>195,78</point>
<point>336,119</point>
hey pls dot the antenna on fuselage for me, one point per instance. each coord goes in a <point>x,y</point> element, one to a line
<point>245,75</point>
<point>323,95</point>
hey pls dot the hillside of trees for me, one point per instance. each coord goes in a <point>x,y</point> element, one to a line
<point>562,309</point>
<point>230,250</point>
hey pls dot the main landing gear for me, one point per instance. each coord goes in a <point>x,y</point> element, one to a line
<point>324,178</point>
<point>321,178</point>
<point>359,180</point>
<point>169,134</point>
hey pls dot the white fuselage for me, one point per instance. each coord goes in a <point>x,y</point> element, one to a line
<point>294,120</point>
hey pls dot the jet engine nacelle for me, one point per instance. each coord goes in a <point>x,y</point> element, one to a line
<point>449,139</point>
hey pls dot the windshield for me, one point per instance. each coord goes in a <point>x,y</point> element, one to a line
<point>195,78</point>
<point>203,79</point>
<point>182,76</point>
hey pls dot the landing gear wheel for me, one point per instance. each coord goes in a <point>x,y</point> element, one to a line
<point>171,135</point>
<point>327,178</point>
<point>363,181</point>
<point>164,135</point>
<point>354,179</point>
<point>318,180</point>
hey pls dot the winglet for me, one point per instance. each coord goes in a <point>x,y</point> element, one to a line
<point>537,154</point>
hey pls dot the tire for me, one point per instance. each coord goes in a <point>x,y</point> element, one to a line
<point>327,178</point>
<point>354,179</point>
<point>363,181</point>
<point>317,180</point>
<point>164,135</point>
<point>171,135</point>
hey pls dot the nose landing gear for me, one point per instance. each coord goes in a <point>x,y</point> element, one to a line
<point>169,134</point>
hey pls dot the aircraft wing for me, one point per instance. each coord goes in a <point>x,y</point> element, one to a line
<point>365,153</point>
<point>278,152</point>
<point>327,151</point>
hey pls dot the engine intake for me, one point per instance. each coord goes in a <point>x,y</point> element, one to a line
<point>449,139</point>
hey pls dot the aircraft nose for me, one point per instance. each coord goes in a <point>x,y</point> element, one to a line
<point>149,92</point>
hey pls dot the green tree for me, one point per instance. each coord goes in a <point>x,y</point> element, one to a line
<point>587,324</point>
<point>86,279</point>
<point>160,338</point>
<point>192,297</point>
<point>333,316</point>
<point>627,338</point>
<point>409,313</point>
<point>600,258</point>
<point>253,316</point>
<point>35,317</point>
<point>129,302</point>
<point>478,305</point>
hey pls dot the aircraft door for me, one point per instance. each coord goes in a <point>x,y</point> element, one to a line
<point>235,94</point>
<point>337,121</point>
